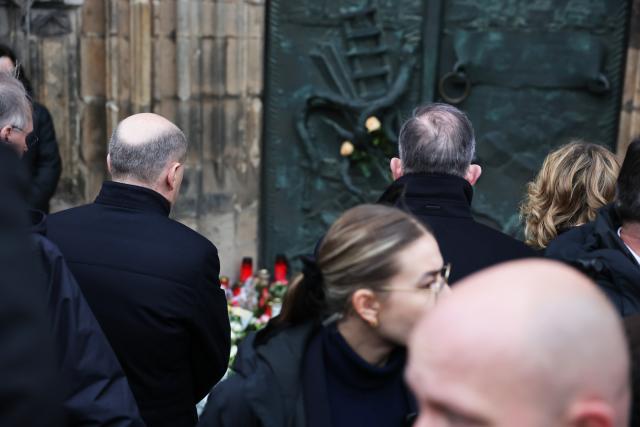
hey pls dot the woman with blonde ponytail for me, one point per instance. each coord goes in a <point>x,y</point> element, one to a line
<point>574,182</point>
<point>335,356</point>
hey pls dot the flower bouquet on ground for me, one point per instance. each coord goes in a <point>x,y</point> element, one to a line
<point>254,299</point>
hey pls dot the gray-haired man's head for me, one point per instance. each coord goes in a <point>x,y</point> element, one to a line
<point>15,113</point>
<point>148,150</point>
<point>438,138</point>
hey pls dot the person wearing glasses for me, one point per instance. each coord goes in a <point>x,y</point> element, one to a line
<point>15,126</point>
<point>92,387</point>
<point>335,355</point>
<point>42,157</point>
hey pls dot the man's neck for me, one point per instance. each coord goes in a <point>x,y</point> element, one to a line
<point>630,235</point>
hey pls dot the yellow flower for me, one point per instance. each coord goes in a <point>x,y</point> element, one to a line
<point>372,124</point>
<point>346,149</point>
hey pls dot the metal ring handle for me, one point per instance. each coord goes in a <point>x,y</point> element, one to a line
<point>599,85</point>
<point>450,76</point>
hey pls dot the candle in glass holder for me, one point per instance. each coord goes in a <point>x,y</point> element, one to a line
<point>280,269</point>
<point>246,269</point>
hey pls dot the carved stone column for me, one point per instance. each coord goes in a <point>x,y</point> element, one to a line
<point>117,61</point>
<point>189,109</point>
<point>140,18</point>
<point>630,111</point>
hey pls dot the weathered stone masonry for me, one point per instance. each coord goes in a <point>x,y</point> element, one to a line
<point>197,62</point>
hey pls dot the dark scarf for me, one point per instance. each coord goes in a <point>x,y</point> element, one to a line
<point>339,385</point>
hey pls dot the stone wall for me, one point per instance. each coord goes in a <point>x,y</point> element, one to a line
<point>630,109</point>
<point>197,62</point>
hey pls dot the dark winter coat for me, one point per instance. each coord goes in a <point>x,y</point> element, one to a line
<point>43,160</point>
<point>265,389</point>
<point>94,388</point>
<point>278,381</point>
<point>443,202</point>
<point>597,250</point>
<point>28,388</point>
<point>153,285</point>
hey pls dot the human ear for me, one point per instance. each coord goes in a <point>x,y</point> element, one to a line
<point>592,413</point>
<point>396,168</point>
<point>109,163</point>
<point>473,174</point>
<point>4,133</point>
<point>173,177</point>
<point>366,305</point>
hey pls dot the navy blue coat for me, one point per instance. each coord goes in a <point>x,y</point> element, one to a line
<point>43,160</point>
<point>153,285</point>
<point>28,387</point>
<point>266,388</point>
<point>94,388</point>
<point>596,249</point>
<point>443,202</point>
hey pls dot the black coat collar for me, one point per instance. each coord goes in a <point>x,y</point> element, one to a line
<point>597,250</point>
<point>604,241</point>
<point>133,197</point>
<point>605,232</point>
<point>431,194</point>
<point>38,220</point>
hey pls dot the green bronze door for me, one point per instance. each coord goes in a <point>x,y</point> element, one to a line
<point>342,75</point>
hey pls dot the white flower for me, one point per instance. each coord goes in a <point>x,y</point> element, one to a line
<point>372,124</point>
<point>346,149</point>
<point>234,351</point>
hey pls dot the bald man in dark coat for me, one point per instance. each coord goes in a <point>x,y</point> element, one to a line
<point>151,281</point>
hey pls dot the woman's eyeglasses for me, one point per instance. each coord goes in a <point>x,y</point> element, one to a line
<point>442,279</point>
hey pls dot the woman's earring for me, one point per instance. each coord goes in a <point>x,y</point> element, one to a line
<point>374,323</point>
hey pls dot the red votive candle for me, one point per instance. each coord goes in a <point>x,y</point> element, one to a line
<point>246,269</point>
<point>280,269</point>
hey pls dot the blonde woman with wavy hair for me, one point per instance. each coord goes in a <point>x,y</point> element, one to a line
<point>574,182</point>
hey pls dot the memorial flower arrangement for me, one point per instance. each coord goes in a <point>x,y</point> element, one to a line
<point>373,145</point>
<point>254,299</point>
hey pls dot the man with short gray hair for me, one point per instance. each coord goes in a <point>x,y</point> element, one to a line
<point>92,385</point>
<point>151,281</point>
<point>15,113</point>
<point>435,176</point>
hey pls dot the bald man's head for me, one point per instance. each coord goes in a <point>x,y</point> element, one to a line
<point>528,343</point>
<point>142,146</point>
